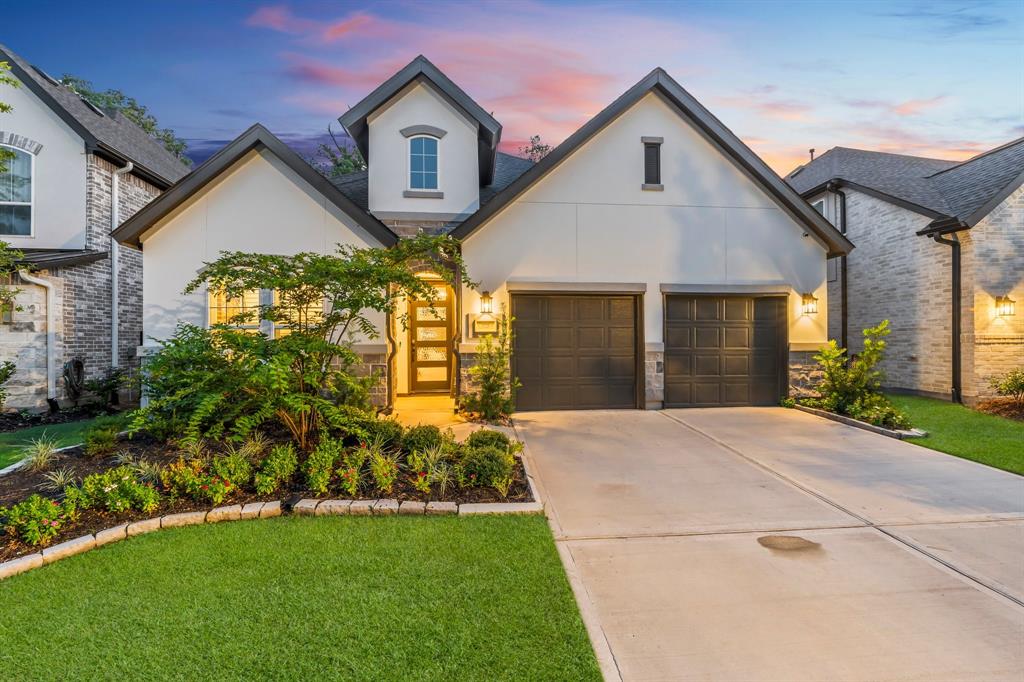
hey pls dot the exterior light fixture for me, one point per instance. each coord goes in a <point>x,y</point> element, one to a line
<point>1005,306</point>
<point>810,304</point>
<point>486,305</point>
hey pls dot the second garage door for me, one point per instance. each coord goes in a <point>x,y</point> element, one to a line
<point>725,350</point>
<point>575,351</point>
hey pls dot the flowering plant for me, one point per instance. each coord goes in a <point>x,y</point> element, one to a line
<point>36,520</point>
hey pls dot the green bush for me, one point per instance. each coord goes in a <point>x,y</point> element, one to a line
<point>486,466</point>
<point>1010,385</point>
<point>495,397</point>
<point>277,469</point>
<point>233,467</point>
<point>383,466</point>
<point>100,438</point>
<point>108,385</point>
<point>36,519</point>
<point>488,438</point>
<point>118,490</point>
<point>319,466</point>
<point>422,438</point>
<point>388,431</point>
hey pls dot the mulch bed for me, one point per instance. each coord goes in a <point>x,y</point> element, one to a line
<point>1003,407</point>
<point>20,484</point>
<point>12,421</point>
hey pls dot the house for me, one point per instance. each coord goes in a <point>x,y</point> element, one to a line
<point>77,172</point>
<point>649,260</point>
<point>940,255</point>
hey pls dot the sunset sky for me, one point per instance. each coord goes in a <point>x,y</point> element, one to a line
<point>939,79</point>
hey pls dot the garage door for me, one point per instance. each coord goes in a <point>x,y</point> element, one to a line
<point>575,352</point>
<point>725,350</point>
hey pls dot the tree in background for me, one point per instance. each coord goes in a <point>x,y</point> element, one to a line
<point>133,111</point>
<point>6,79</point>
<point>335,159</point>
<point>535,150</point>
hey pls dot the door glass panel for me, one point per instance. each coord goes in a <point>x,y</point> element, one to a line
<point>431,374</point>
<point>441,293</point>
<point>431,354</point>
<point>431,333</point>
<point>431,314</point>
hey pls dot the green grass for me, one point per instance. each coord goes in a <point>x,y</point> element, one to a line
<point>13,442</point>
<point>354,598</point>
<point>960,431</point>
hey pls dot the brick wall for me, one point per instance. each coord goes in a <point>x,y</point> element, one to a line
<point>993,265</point>
<point>894,274</point>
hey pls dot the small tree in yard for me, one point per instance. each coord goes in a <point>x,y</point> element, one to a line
<point>229,380</point>
<point>1010,385</point>
<point>495,396</point>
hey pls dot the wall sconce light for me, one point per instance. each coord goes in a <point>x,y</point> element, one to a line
<point>1005,306</point>
<point>810,304</point>
<point>486,304</point>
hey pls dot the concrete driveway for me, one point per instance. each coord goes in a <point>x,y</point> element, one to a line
<point>768,544</point>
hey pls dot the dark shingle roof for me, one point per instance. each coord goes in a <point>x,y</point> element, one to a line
<point>108,130</point>
<point>944,189</point>
<point>506,169</point>
<point>45,259</point>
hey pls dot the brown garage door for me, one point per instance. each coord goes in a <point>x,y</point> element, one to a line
<point>724,350</point>
<point>575,351</point>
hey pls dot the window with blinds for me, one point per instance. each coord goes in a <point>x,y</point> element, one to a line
<point>652,164</point>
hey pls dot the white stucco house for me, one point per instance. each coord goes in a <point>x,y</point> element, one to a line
<point>649,260</point>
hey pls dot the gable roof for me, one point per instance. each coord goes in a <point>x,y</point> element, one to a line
<point>106,132</point>
<point>256,138</point>
<point>660,82</point>
<point>506,169</point>
<point>953,194</point>
<point>423,71</point>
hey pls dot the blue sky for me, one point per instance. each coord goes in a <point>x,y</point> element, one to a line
<point>941,79</point>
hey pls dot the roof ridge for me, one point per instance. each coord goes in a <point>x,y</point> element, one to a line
<point>1005,145</point>
<point>908,156</point>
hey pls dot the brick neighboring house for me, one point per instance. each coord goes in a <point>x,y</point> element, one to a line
<point>912,219</point>
<point>56,207</point>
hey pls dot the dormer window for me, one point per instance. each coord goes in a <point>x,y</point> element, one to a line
<point>16,194</point>
<point>423,163</point>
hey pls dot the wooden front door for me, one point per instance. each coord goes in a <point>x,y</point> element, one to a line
<point>430,343</point>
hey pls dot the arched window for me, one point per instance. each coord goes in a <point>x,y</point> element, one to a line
<point>16,193</point>
<point>422,162</point>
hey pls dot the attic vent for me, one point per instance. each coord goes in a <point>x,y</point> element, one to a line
<point>92,106</point>
<point>45,75</point>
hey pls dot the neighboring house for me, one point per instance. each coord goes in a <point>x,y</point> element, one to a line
<point>650,259</point>
<point>940,254</point>
<point>55,206</point>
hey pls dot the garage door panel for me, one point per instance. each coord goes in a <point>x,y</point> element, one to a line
<point>582,352</point>
<point>530,310</point>
<point>724,350</point>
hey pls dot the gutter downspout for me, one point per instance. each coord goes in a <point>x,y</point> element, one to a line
<point>51,335</point>
<point>956,393</point>
<point>115,219</point>
<point>843,293</point>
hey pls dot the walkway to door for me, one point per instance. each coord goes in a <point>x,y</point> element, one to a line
<point>768,544</point>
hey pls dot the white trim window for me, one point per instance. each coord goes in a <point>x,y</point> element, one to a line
<point>424,163</point>
<point>224,309</point>
<point>16,193</point>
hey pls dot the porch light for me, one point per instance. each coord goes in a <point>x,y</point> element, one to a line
<point>810,304</point>
<point>1005,306</point>
<point>486,305</point>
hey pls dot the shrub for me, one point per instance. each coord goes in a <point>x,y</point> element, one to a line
<point>876,409</point>
<point>233,467</point>
<point>41,452</point>
<point>495,396</point>
<point>351,471</point>
<point>427,466</point>
<point>383,466</point>
<point>276,469</point>
<point>100,438</point>
<point>117,490</point>
<point>422,438</point>
<point>57,481</point>
<point>488,438</point>
<point>107,386</point>
<point>319,465</point>
<point>1010,385</point>
<point>7,369</point>
<point>486,465</point>
<point>36,520</point>
<point>388,431</point>
<point>181,478</point>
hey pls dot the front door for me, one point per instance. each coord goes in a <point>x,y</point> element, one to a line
<point>430,346</point>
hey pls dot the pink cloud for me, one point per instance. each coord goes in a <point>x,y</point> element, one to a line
<point>280,18</point>
<point>910,107</point>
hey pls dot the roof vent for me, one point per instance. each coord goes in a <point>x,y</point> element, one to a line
<point>797,172</point>
<point>45,75</point>
<point>92,106</point>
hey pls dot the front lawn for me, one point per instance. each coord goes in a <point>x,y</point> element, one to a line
<point>368,598</point>
<point>13,442</point>
<point>961,431</point>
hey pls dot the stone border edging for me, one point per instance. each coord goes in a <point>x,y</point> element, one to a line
<point>24,460</point>
<point>898,434</point>
<point>265,510</point>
